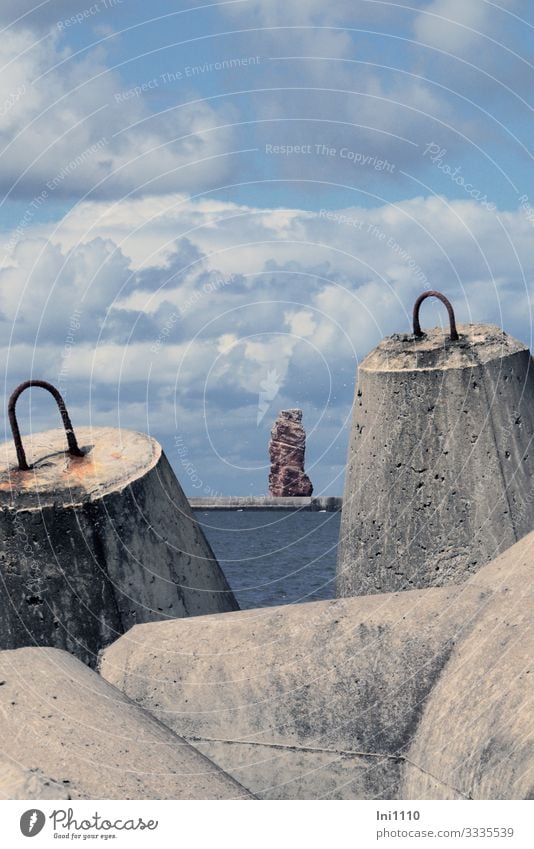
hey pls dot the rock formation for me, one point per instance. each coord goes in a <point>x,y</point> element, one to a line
<point>286,450</point>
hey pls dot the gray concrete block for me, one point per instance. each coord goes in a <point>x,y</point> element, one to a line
<point>332,683</point>
<point>385,696</point>
<point>440,461</point>
<point>294,772</point>
<point>67,733</point>
<point>16,782</point>
<point>476,736</point>
<point>91,545</point>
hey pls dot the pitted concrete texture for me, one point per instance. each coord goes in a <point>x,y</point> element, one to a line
<point>476,736</point>
<point>309,701</point>
<point>91,546</point>
<point>478,344</point>
<point>16,782</point>
<point>385,696</point>
<point>440,467</point>
<point>67,733</point>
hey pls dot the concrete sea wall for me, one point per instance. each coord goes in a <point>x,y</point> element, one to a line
<point>264,502</point>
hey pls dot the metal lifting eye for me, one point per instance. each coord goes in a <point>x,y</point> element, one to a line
<point>432,294</point>
<point>74,449</point>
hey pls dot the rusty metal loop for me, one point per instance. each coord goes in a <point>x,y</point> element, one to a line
<point>433,294</point>
<point>74,449</point>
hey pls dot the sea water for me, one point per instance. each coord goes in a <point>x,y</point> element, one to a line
<point>274,557</point>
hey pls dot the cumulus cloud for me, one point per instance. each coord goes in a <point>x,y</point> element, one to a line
<point>345,12</point>
<point>33,14</point>
<point>183,339</point>
<point>157,303</point>
<point>444,70</point>
<point>456,26</point>
<point>71,126</point>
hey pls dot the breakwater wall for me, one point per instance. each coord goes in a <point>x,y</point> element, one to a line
<point>263,502</point>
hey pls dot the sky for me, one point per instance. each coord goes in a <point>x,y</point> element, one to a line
<point>211,212</point>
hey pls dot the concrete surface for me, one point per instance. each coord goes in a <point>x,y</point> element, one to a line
<point>385,696</point>
<point>67,733</point>
<point>476,736</point>
<point>440,467</point>
<point>16,782</point>
<point>91,546</point>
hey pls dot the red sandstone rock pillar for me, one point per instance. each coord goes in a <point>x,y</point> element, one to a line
<point>286,450</point>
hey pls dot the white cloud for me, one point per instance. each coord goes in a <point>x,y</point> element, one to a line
<point>64,131</point>
<point>456,25</point>
<point>306,12</point>
<point>40,13</point>
<point>301,294</point>
<point>301,323</point>
<point>290,272</point>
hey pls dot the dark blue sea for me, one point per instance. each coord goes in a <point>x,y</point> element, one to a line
<point>272,556</point>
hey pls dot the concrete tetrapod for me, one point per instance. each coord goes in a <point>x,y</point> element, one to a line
<point>16,782</point>
<point>91,545</point>
<point>440,460</point>
<point>67,733</point>
<point>476,736</point>
<point>341,698</point>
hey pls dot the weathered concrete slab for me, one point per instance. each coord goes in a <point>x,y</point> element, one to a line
<point>291,772</point>
<point>67,733</point>
<point>330,687</point>
<point>91,545</point>
<point>354,698</point>
<point>476,736</point>
<point>440,461</point>
<point>19,783</point>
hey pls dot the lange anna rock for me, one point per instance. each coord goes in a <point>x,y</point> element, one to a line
<point>286,450</point>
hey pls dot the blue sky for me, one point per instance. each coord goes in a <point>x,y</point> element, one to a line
<point>207,204</point>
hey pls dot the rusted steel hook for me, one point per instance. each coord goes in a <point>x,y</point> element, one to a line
<point>71,438</point>
<point>432,294</point>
